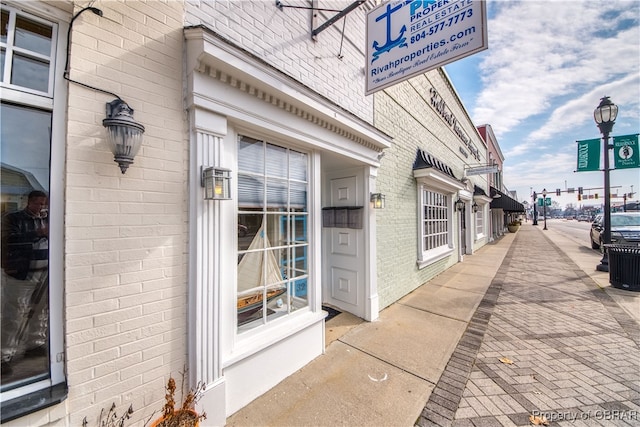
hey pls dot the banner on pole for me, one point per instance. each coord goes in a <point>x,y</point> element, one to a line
<point>588,155</point>
<point>626,152</point>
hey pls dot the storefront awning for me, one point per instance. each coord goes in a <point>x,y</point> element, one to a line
<point>504,202</point>
<point>425,160</point>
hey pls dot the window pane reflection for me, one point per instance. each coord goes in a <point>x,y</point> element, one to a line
<point>24,308</point>
<point>33,36</point>
<point>272,244</point>
<point>29,72</point>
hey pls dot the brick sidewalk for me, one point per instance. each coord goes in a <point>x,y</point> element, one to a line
<point>575,353</point>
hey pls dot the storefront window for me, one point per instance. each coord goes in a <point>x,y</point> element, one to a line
<point>31,282</point>
<point>25,244</point>
<point>479,223</point>
<point>273,243</point>
<point>435,231</point>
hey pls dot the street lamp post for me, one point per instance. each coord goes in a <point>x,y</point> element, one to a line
<point>535,213</point>
<point>544,204</point>
<point>605,116</point>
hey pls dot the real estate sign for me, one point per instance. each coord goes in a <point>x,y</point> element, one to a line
<point>410,37</point>
<point>626,152</point>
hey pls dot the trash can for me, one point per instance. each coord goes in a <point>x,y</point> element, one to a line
<point>624,266</point>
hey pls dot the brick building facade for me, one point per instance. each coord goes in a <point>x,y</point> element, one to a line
<point>146,276</point>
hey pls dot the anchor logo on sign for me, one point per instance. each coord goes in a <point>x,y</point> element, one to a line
<point>401,41</point>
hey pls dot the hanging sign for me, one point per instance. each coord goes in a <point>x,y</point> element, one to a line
<point>410,37</point>
<point>481,170</point>
<point>626,152</point>
<point>588,155</point>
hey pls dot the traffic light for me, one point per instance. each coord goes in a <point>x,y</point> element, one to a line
<point>596,195</point>
<point>535,196</point>
<point>557,191</point>
<point>579,196</point>
<point>580,190</point>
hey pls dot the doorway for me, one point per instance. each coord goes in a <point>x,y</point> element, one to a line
<point>344,258</point>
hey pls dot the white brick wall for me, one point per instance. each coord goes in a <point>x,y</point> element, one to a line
<point>404,112</point>
<point>125,254</point>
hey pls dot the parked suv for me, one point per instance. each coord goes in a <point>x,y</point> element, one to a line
<point>625,228</point>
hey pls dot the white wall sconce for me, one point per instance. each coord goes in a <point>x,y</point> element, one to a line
<point>124,134</point>
<point>216,183</point>
<point>475,207</point>
<point>378,200</point>
<point>459,205</point>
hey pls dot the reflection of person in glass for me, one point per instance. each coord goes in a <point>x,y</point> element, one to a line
<point>25,264</point>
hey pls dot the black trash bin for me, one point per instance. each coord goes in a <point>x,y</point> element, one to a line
<point>624,266</point>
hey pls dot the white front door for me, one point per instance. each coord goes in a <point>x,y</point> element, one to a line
<point>343,249</point>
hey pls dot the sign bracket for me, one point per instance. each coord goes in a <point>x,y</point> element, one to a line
<point>330,21</point>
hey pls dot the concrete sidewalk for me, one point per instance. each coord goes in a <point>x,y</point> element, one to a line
<point>425,360</point>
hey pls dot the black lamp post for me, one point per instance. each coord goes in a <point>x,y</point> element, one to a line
<point>544,204</point>
<point>605,116</point>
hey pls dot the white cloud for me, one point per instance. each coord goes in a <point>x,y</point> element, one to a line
<point>542,54</point>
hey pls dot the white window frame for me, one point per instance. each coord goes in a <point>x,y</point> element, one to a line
<point>266,322</point>
<point>10,49</point>
<point>27,97</point>
<point>479,223</point>
<point>430,254</point>
<point>430,179</point>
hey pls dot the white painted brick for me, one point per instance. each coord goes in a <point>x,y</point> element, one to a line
<point>82,357</point>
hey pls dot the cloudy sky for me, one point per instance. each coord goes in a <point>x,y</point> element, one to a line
<point>547,66</point>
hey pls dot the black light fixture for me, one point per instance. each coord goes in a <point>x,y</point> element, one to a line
<point>217,183</point>
<point>605,117</point>
<point>475,207</point>
<point>544,204</point>
<point>124,134</point>
<point>459,205</point>
<point>378,200</point>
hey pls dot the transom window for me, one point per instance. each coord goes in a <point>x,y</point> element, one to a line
<point>27,51</point>
<point>273,242</point>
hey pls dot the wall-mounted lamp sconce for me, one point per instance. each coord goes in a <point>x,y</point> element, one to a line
<point>475,207</point>
<point>216,183</point>
<point>124,134</point>
<point>378,200</point>
<point>459,204</point>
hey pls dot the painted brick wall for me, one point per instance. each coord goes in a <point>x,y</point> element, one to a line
<point>404,111</point>
<point>282,38</point>
<point>126,235</point>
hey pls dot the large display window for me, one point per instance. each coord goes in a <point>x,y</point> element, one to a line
<point>31,207</point>
<point>273,235</point>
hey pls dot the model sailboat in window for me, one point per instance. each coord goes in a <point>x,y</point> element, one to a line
<point>259,278</point>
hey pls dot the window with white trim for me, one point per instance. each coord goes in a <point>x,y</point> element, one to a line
<point>480,223</point>
<point>435,221</point>
<point>31,144</point>
<point>273,234</point>
<point>435,225</point>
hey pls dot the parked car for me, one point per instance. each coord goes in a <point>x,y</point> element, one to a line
<point>625,228</point>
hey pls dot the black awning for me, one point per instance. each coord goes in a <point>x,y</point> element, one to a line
<point>425,160</point>
<point>479,191</point>
<point>504,202</point>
